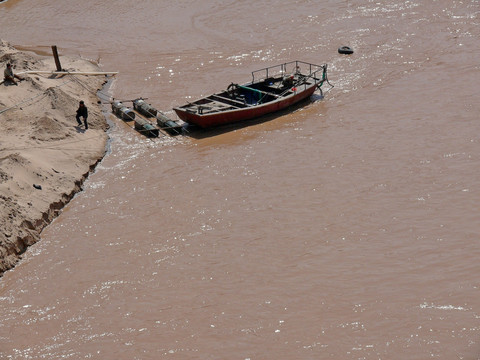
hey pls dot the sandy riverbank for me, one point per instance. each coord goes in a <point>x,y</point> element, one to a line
<point>41,145</point>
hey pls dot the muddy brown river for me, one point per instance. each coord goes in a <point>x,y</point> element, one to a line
<point>348,228</point>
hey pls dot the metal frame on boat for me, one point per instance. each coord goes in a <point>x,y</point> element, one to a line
<point>272,89</point>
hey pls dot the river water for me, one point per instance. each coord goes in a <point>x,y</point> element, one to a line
<point>347,229</point>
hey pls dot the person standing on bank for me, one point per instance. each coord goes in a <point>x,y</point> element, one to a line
<point>82,112</point>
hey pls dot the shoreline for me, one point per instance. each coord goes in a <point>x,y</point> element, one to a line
<point>44,155</point>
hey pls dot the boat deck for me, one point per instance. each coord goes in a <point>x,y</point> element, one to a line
<point>271,89</point>
<point>245,96</point>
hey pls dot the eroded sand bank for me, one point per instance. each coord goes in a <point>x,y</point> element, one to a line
<point>41,145</point>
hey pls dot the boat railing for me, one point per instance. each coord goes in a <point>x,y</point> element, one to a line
<point>292,67</point>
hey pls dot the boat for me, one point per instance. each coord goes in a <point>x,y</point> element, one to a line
<point>272,89</point>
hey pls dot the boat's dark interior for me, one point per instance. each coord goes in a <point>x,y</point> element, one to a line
<point>242,96</point>
<point>268,85</point>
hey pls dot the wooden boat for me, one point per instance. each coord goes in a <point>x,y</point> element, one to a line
<point>271,89</point>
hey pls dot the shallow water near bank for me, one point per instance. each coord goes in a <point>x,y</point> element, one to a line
<point>346,229</point>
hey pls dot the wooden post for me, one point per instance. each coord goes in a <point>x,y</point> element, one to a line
<point>55,56</point>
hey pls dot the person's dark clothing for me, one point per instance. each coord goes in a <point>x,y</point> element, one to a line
<point>82,112</point>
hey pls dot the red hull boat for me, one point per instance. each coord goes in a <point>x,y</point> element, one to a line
<point>271,89</point>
